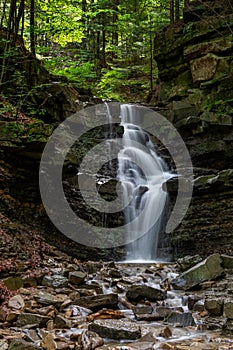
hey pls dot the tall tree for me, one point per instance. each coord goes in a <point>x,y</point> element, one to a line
<point>32,27</point>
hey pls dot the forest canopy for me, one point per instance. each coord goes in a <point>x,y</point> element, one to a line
<point>89,41</point>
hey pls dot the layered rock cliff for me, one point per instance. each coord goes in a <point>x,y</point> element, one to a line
<point>195,64</point>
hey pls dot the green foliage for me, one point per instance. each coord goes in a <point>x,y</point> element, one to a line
<point>128,84</point>
<point>92,42</point>
<point>82,74</point>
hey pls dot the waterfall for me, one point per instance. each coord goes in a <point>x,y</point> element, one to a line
<point>141,173</point>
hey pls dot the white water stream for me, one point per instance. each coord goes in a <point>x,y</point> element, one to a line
<point>141,173</point>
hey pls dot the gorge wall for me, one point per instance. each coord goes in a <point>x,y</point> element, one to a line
<point>195,65</point>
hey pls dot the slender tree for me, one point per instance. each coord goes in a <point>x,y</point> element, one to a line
<point>177,10</point>
<point>172,12</point>
<point>32,27</point>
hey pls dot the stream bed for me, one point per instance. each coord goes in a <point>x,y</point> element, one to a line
<point>70,304</point>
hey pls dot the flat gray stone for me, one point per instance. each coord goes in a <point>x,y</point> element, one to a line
<point>55,281</point>
<point>45,298</point>
<point>138,292</point>
<point>31,319</point>
<point>184,319</point>
<point>96,302</point>
<point>116,329</point>
<point>207,269</point>
<point>77,277</point>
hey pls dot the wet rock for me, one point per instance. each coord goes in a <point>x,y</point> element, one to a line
<point>188,261</point>
<point>114,273</point>
<point>208,269</point>
<point>55,281</point>
<point>116,329</point>
<point>184,319</point>
<point>227,261</point>
<point>16,302</point>
<point>192,300</point>
<point>89,340</point>
<point>62,322</point>
<point>45,298</point>
<point>3,345</point>
<point>148,317</point>
<point>77,277</point>
<point>31,319</point>
<point>94,288</point>
<point>228,309</point>
<point>99,301</point>
<point>20,344</point>
<point>214,306</point>
<point>139,292</point>
<point>163,311</point>
<point>199,306</point>
<point>140,310</point>
<point>146,313</point>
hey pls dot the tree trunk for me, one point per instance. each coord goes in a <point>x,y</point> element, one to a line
<point>186,4</point>
<point>17,22</point>
<point>103,60</point>
<point>172,12</point>
<point>32,27</point>
<point>3,17</point>
<point>114,20</point>
<point>84,24</point>
<point>177,10</point>
<point>10,28</point>
<point>151,56</point>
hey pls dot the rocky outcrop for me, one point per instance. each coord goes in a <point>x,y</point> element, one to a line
<point>206,270</point>
<point>195,63</point>
<point>194,58</point>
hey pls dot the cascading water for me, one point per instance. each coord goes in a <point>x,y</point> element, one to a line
<point>141,173</point>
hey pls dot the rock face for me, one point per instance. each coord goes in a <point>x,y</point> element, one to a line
<point>194,59</point>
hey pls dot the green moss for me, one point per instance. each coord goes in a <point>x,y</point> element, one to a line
<point>11,130</point>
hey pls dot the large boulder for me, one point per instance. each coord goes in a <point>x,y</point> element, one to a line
<point>207,269</point>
